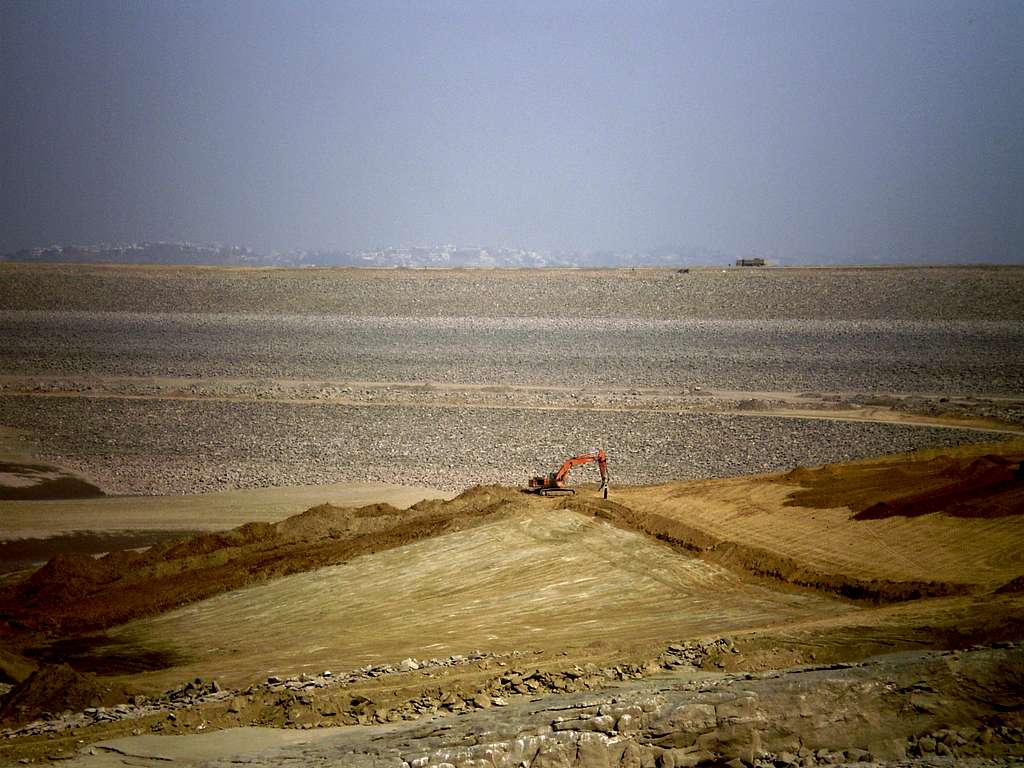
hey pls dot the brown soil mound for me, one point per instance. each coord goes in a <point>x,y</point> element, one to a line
<point>77,593</point>
<point>72,596</point>
<point>986,487</point>
<point>26,554</point>
<point>50,691</point>
<point>1014,585</point>
<point>14,668</point>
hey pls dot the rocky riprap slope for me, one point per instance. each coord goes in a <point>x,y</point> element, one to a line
<point>976,357</point>
<point>319,700</point>
<point>889,710</point>
<point>909,709</point>
<point>949,331</point>
<point>220,339</point>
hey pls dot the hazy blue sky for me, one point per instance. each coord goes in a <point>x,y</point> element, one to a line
<point>856,130</point>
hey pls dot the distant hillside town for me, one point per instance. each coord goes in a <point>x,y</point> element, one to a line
<point>425,256</point>
<point>142,253</point>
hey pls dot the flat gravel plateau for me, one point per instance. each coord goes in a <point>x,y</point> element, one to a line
<point>894,356</point>
<point>945,332</point>
<point>912,293</point>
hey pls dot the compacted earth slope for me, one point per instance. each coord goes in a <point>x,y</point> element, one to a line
<point>932,523</point>
<point>365,617</point>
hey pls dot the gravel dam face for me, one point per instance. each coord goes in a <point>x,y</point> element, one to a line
<point>179,446</point>
<point>177,380</point>
<point>950,356</point>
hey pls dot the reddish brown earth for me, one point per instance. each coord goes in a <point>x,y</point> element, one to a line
<point>985,487</point>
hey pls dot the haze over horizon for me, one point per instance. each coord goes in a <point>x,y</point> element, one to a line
<point>797,131</point>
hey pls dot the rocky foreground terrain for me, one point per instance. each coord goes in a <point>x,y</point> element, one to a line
<point>909,709</point>
<point>882,711</point>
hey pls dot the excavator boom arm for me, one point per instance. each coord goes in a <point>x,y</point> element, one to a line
<point>583,458</point>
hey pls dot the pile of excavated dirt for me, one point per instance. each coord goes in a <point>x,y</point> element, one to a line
<point>985,487</point>
<point>953,524</point>
<point>753,533</point>
<point>77,593</point>
<point>539,580</point>
<point>764,564</point>
<point>542,576</point>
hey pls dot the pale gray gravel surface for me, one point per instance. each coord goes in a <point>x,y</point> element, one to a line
<point>180,446</point>
<point>952,357</point>
<point>947,332</point>
<point>934,293</point>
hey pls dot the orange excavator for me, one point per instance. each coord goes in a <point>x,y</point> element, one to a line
<point>553,483</point>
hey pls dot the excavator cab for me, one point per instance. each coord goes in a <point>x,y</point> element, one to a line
<point>545,481</point>
<point>553,483</point>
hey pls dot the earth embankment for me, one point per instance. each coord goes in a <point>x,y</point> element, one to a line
<point>651,562</point>
<point>570,594</point>
<point>77,593</point>
<point>856,529</point>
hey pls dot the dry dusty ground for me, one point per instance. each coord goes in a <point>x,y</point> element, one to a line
<point>820,566</point>
<point>31,532</point>
<point>803,516</point>
<point>47,510</point>
<point>578,632</point>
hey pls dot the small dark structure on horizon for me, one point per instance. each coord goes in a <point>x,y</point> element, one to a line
<point>750,262</point>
